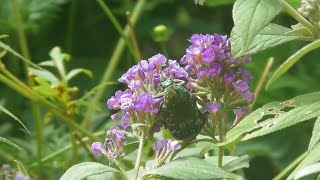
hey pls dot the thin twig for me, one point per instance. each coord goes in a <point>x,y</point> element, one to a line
<point>262,80</point>
<point>76,135</point>
<point>117,25</point>
<point>133,36</point>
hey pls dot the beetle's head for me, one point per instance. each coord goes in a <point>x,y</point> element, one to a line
<point>166,82</point>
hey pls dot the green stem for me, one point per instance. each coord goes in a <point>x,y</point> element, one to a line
<point>34,107</point>
<point>290,167</point>
<point>118,27</point>
<point>289,9</point>
<point>113,63</point>
<point>138,160</point>
<point>221,140</point>
<point>30,94</point>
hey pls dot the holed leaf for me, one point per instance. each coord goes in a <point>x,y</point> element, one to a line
<point>276,116</point>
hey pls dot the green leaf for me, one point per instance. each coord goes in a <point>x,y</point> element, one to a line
<point>312,157</point>
<point>85,169</point>
<point>311,169</point>
<point>57,58</point>
<point>46,63</point>
<point>14,117</point>
<point>187,168</point>
<point>300,29</point>
<point>21,168</point>
<point>276,116</point>
<point>75,72</point>
<point>292,60</point>
<point>4,140</point>
<point>251,16</point>
<point>315,134</point>
<point>46,75</point>
<point>270,36</point>
<point>130,147</point>
<point>231,163</point>
<point>9,49</point>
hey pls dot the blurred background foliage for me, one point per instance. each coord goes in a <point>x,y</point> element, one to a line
<point>81,29</point>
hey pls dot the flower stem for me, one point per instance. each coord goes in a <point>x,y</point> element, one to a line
<point>138,160</point>
<point>221,139</point>
<point>289,9</point>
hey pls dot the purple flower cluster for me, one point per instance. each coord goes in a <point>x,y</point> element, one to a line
<point>211,66</point>
<point>113,145</point>
<point>139,100</point>
<point>164,148</point>
<point>21,176</point>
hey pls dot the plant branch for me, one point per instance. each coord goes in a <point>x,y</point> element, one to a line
<point>289,9</point>
<point>114,60</point>
<point>262,80</point>
<point>118,27</point>
<point>138,160</point>
<point>133,36</point>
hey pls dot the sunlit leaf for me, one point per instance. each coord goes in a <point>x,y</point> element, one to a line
<point>75,72</point>
<point>6,141</point>
<point>311,169</point>
<point>270,36</point>
<point>251,16</point>
<point>312,157</point>
<point>14,117</point>
<point>292,60</point>
<point>85,169</point>
<point>275,116</point>
<point>187,168</point>
<point>46,63</point>
<point>46,75</point>
<point>315,134</point>
<point>58,57</point>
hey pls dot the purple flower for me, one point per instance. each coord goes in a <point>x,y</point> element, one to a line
<point>113,146</point>
<point>214,69</point>
<point>115,116</point>
<point>228,77</point>
<point>98,149</point>
<point>174,71</point>
<point>21,176</point>
<point>240,114</point>
<point>125,120</point>
<point>164,148</point>
<point>213,107</point>
<point>249,96</point>
<point>6,167</point>
<point>241,86</point>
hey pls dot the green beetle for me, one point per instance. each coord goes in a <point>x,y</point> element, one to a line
<point>179,112</point>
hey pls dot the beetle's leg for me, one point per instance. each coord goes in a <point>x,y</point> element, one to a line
<point>179,82</point>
